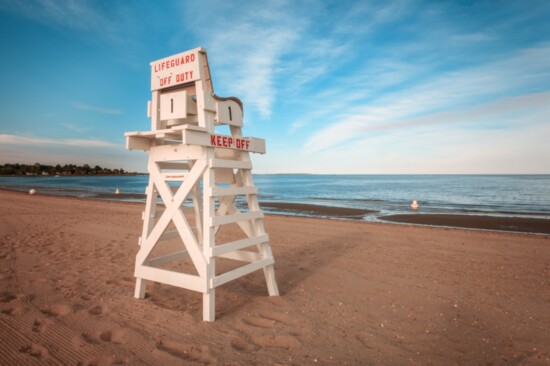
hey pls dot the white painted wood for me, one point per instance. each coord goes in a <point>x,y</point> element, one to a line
<point>172,278</point>
<point>176,105</point>
<point>239,244</point>
<point>173,165</point>
<point>176,70</point>
<point>233,164</point>
<point>229,112</point>
<point>186,161</point>
<point>242,255</point>
<point>139,291</point>
<point>230,219</point>
<point>232,191</point>
<point>250,144</point>
<point>241,271</point>
<point>177,152</point>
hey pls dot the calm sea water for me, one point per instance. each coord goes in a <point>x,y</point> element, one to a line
<point>503,195</point>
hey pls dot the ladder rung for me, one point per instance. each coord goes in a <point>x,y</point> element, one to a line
<point>174,165</point>
<point>233,191</point>
<point>239,244</point>
<point>229,219</point>
<point>241,271</point>
<point>173,177</point>
<point>233,164</point>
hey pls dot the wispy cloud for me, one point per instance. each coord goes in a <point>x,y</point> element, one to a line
<point>451,96</point>
<point>25,140</point>
<point>77,128</point>
<point>89,17</point>
<point>87,107</point>
<point>249,43</point>
<point>359,126</point>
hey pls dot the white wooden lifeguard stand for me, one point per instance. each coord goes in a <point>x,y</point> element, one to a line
<point>195,177</point>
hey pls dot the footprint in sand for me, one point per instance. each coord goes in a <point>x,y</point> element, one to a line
<point>96,310</point>
<point>277,341</point>
<point>39,326</point>
<point>243,346</point>
<point>112,336</point>
<point>278,317</point>
<point>7,297</point>
<point>186,351</point>
<point>89,338</point>
<point>259,322</point>
<point>12,311</point>
<point>58,310</point>
<point>34,350</point>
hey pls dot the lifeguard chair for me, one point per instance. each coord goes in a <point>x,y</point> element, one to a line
<point>199,181</point>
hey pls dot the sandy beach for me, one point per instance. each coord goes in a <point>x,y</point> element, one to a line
<point>352,293</point>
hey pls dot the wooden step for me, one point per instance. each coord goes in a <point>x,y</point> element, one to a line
<point>232,164</point>
<point>238,217</point>
<point>232,191</point>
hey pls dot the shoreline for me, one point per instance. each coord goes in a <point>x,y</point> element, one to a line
<point>477,221</point>
<point>474,222</point>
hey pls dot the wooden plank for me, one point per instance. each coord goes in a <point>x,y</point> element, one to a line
<point>178,279</point>
<point>190,127</point>
<point>173,177</point>
<point>233,164</point>
<point>243,256</point>
<point>176,152</point>
<point>232,191</point>
<point>249,144</point>
<point>239,244</point>
<point>229,219</point>
<point>137,143</point>
<point>173,165</point>
<point>239,272</point>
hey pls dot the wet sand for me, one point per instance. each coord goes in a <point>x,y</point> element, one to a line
<point>352,293</point>
<point>317,210</point>
<point>517,224</point>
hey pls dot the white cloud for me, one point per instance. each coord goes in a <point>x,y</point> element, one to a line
<point>25,140</point>
<point>249,42</point>
<point>102,110</point>
<point>81,15</point>
<point>452,97</point>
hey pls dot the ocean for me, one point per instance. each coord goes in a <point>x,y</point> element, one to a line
<point>494,195</point>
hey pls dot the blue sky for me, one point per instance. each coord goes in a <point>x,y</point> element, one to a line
<point>333,86</point>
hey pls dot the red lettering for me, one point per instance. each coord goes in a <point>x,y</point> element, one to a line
<point>230,141</point>
<point>213,140</point>
<point>247,144</point>
<point>224,141</point>
<point>218,140</point>
<point>238,143</point>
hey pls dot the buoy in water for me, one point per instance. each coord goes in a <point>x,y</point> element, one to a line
<point>414,205</point>
<point>32,191</point>
<point>117,191</point>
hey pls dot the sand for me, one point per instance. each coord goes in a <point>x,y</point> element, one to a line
<point>352,293</point>
<point>516,224</point>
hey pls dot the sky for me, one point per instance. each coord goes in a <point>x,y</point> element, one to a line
<point>334,87</point>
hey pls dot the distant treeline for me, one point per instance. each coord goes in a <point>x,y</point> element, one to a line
<point>67,169</point>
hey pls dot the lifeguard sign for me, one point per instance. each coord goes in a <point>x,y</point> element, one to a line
<point>199,182</point>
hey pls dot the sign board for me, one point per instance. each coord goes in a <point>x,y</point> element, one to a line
<point>175,70</point>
